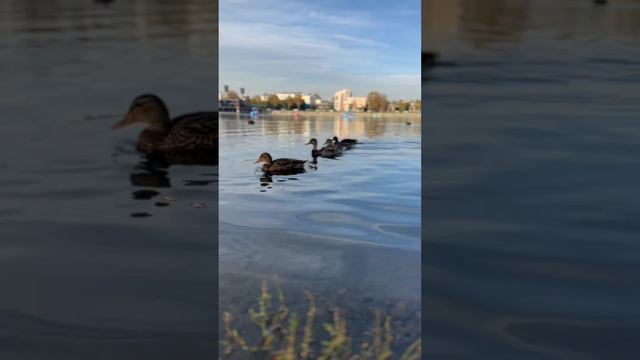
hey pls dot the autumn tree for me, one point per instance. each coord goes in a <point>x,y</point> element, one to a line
<point>274,102</point>
<point>377,102</point>
<point>298,102</point>
<point>400,105</point>
<point>258,102</point>
<point>232,95</point>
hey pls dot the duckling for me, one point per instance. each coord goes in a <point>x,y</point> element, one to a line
<point>325,152</point>
<point>282,166</point>
<point>345,143</point>
<point>189,138</point>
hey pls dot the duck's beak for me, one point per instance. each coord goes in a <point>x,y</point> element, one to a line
<point>308,143</point>
<point>128,119</point>
<point>258,161</point>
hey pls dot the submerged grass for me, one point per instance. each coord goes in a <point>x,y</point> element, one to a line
<point>281,338</point>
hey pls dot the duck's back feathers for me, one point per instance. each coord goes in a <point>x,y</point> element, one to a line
<point>329,152</point>
<point>194,131</point>
<point>285,166</point>
<point>191,139</point>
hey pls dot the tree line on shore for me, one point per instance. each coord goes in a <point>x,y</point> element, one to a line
<point>376,102</point>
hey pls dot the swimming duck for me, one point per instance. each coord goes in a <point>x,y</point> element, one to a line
<point>325,152</point>
<point>189,138</point>
<point>282,166</point>
<point>331,147</point>
<point>344,143</point>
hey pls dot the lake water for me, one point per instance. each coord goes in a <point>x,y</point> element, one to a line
<point>348,231</point>
<point>81,278</point>
<point>531,180</point>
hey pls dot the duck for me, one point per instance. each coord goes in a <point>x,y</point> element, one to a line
<point>325,152</point>
<point>331,147</point>
<point>284,166</point>
<point>188,138</point>
<point>344,143</point>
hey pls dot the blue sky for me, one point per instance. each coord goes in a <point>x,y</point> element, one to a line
<point>321,46</point>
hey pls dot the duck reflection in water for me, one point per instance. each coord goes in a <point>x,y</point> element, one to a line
<point>266,181</point>
<point>151,173</point>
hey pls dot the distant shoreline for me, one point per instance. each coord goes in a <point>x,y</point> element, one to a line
<point>412,115</point>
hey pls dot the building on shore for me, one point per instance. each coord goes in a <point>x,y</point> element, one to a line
<point>311,100</point>
<point>228,94</point>
<point>323,105</point>
<point>234,106</point>
<point>264,97</point>
<point>285,95</point>
<point>344,100</point>
<point>339,98</point>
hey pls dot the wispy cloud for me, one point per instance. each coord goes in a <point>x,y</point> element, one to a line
<point>282,44</point>
<point>286,40</point>
<point>361,19</point>
<point>359,41</point>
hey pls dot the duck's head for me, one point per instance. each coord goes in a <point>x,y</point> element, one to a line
<point>335,139</point>
<point>264,158</point>
<point>312,142</point>
<point>148,109</point>
<point>328,142</point>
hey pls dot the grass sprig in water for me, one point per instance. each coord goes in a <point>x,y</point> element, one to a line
<point>280,340</point>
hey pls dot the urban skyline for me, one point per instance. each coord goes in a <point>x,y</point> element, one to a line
<point>251,94</point>
<point>342,100</point>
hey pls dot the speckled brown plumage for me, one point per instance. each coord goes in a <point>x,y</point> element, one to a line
<point>284,166</point>
<point>188,139</point>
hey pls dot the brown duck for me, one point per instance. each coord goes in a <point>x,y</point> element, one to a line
<point>344,143</point>
<point>328,151</point>
<point>187,139</point>
<point>282,166</point>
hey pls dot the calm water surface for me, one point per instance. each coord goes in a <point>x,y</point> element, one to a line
<point>348,231</point>
<point>80,277</point>
<point>531,180</point>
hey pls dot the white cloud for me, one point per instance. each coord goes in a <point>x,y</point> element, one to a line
<point>359,41</point>
<point>361,19</point>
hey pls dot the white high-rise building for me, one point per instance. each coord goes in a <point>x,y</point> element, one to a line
<point>340,98</point>
<point>344,101</point>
